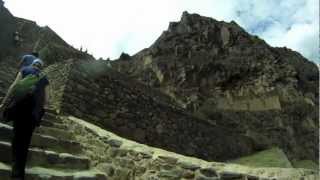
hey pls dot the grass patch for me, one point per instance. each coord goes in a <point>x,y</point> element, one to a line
<point>274,157</point>
<point>307,164</point>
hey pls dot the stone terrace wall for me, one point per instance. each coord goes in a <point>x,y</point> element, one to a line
<point>8,71</point>
<point>250,104</point>
<point>58,74</point>
<point>122,159</point>
<point>119,104</point>
<point>91,86</point>
<point>83,95</point>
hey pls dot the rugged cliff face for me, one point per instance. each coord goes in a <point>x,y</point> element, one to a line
<point>221,73</point>
<point>200,57</point>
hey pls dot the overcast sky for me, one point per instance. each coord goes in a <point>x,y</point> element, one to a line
<point>107,28</point>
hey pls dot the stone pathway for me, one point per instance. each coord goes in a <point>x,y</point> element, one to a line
<point>67,148</point>
<point>122,159</point>
<point>53,155</point>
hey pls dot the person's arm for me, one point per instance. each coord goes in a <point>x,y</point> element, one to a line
<point>5,99</point>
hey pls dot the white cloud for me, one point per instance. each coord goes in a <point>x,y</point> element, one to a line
<point>290,23</point>
<point>107,28</point>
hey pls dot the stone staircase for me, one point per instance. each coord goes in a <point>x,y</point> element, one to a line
<point>68,148</point>
<point>54,154</point>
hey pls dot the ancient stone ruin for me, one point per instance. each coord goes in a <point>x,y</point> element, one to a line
<point>206,101</point>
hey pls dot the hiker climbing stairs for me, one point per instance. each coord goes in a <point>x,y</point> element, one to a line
<point>53,153</point>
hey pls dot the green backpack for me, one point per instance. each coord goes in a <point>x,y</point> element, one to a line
<point>22,90</point>
<point>25,87</point>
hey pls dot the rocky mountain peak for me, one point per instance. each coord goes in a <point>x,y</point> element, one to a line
<point>221,73</point>
<point>195,33</point>
<point>188,23</point>
<point>195,22</point>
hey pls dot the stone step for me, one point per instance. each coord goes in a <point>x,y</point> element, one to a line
<point>43,141</point>
<point>53,124</point>
<point>40,173</point>
<point>54,144</point>
<point>49,115</point>
<point>47,120</point>
<point>55,132</point>
<point>5,132</point>
<point>39,157</point>
<point>51,110</point>
<point>45,123</point>
<point>52,117</point>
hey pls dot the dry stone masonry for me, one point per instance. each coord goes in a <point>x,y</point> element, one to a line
<point>120,104</point>
<point>67,148</point>
<point>125,160</point>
